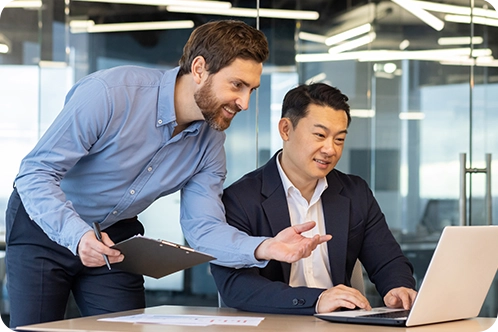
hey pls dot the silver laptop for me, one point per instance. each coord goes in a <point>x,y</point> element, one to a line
<point>455,285</point>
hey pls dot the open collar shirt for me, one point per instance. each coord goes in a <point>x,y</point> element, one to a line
<point>110,153</point>
<point>313,271</point>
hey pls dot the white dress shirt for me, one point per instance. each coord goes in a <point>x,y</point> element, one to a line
<point>313,271</point>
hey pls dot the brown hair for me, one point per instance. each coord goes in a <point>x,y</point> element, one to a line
<point>221,42</point>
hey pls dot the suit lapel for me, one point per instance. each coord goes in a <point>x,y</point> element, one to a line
<point>336,215</point>
<point>275,205</point>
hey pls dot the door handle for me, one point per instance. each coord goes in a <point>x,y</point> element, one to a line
<point>463,188</point>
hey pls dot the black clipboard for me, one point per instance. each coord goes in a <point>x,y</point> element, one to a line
<point>156,258</point>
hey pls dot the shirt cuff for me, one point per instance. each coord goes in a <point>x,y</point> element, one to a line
<point>318,301</point>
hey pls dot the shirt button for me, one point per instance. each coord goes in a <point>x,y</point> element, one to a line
<point>159,121</point>
<point>149,169</point>
<point>114,212</point>
<point>132,192</point>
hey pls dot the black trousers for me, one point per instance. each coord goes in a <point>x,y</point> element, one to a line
<point>41,273</point>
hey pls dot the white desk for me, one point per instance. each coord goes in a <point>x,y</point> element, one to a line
<point>271,323</point>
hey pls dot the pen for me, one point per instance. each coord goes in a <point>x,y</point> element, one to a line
<point>96,229</point>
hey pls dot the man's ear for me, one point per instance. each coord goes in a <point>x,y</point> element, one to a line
<point>284,128</point>
<point>198,68</point>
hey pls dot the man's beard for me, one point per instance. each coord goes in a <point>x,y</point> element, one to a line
<point>211,108</point>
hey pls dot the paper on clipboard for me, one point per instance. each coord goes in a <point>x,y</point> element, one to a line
<point>156,258</point>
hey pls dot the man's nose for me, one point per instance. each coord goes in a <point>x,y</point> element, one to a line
<point>329,147</point>
<point>243,101</point>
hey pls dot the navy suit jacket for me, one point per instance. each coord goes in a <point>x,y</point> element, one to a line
<point>257,205</point>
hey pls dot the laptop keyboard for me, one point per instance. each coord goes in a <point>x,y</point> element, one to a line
<point>392,314</point>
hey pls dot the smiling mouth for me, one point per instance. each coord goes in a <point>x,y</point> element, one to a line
<point>229,110</point>
<point>321,162</point>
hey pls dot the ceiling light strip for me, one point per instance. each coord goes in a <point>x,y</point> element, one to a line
<point>89,27</point>
<point>184,3</point>
<point>474,19</point>
<point>471,62</point>
<point>355,43</point>
<point>460,40</point>
<point>426,55</point>
<point>388,55</point>
<point>442,8</point>
<point>247,12</point>
<point>456,10</point>
<point>422,14</point>
<point>312,37</point>
<point>340,37</point>
<point>26,4</point>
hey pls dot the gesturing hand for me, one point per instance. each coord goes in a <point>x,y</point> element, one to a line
<point>289,245</point>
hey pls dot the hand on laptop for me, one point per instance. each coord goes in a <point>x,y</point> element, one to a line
<point>339,297</point>
<point>401,297</point>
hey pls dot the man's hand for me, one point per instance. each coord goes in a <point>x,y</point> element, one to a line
<point>341,296</point>
<point>91,250</point>
<point>289,245</point>
<point>400,297</point>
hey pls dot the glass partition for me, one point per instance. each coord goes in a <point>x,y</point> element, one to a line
<point>422,92</point>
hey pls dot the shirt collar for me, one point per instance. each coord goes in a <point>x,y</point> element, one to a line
<point>166,98</point>
<point>166,102</point>
<point>288,185</point>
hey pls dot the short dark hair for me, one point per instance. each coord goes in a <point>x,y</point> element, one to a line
<point>221,42</point>
<point>297,100</point>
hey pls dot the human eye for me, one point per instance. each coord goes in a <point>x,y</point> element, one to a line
<point>340,140</point>
<point>319,135</point>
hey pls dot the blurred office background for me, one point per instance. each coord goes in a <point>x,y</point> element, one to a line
<point>421,76</point>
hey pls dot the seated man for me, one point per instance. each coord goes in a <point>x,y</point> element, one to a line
<point>300,184</point>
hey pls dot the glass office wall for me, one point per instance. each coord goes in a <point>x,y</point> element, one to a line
<point>421,90</point>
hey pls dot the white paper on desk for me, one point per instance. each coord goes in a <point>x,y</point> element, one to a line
<point>196,320</point>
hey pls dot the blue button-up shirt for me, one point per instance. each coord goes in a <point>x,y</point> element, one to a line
<point>110,153</point>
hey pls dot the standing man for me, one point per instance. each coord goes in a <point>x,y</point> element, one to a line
<point>125,137</point>
<point>300,183</point>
